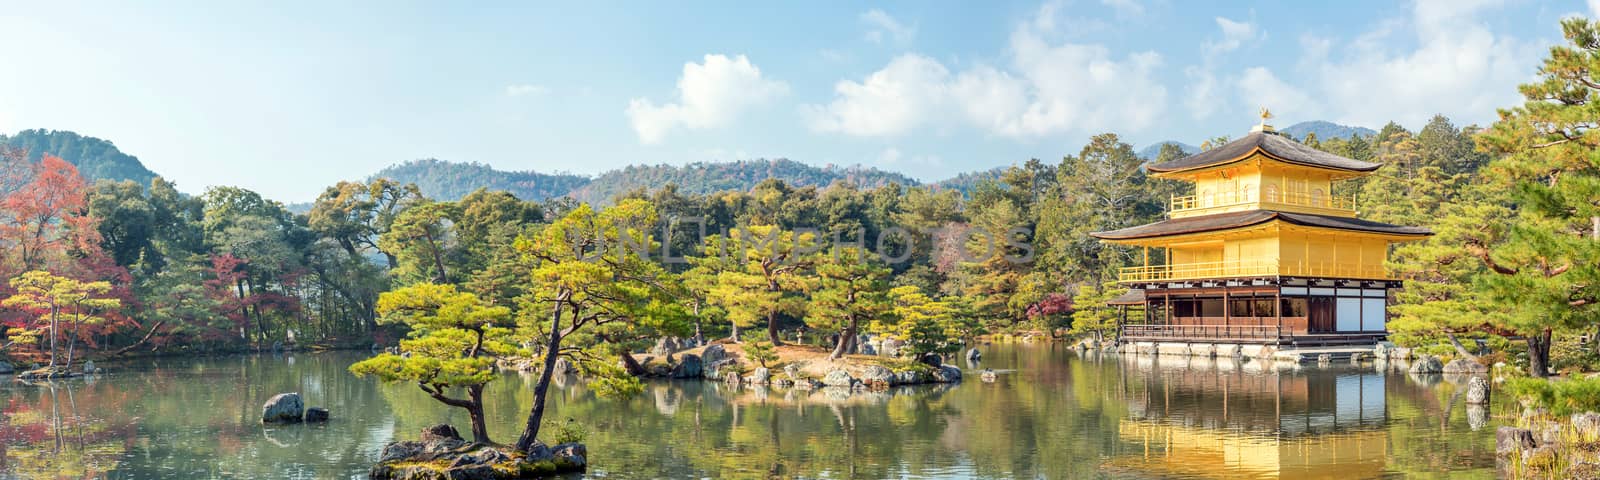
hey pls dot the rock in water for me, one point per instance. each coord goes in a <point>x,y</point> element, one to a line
<point>713,354</point>
<point>443,457</point>
<point>932,359</point>
<point>563,367</point>
<point>973,354</point>
<point>838,378</point>
<point>877,376</point>
<point>1427,364</point>
<point>316,414</point>
<point>283,407</point>
<point>760,376</point>
<point>1477,391</point>
<point>688,367</point>
<point>88,367</point>
<point>988,375</point>
<point>1462,365</point>
<point>947,374</point>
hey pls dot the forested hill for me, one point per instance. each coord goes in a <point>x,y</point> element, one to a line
<point>1150,152</point>
<point>703,177</point>
<point>95,158</point>
<point>1326,130</point>
<point>452,180</point>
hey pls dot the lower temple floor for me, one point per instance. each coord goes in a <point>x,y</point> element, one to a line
<point>1298,312</point>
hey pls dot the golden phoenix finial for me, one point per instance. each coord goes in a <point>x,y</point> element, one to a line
<point>1265,115</point>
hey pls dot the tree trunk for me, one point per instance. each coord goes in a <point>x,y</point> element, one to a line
<point>1459,348</point>
<point>531,431</point>
<point>847,337</point>
<point>53,323</point>
<point>480,430</point>
<point>72,341</point>
<point>632,366</point>
<point>1539,354</point>
<point>772,329</point>
<point>141,341</point>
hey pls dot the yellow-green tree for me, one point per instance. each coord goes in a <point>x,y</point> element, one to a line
<point>766,279</point>
<point>453,342</point>
<point>925,325</point>
<point>589,277</point>
<point>56,298</point>
<point>852,287</point>
<point>1090,314</point>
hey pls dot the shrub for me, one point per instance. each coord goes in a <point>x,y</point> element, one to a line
<point>569,431</point>
<point>1561,396</point>
<point>757,349</point>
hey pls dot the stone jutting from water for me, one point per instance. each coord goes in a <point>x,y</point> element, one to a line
<point>688,367</point>
<point>1477,391</point>
<point>1427,364</point>
<point>316,414</point>
<point>973,354</point>
<point>283,408</point>
<point>838,378</point>
<point>760,376</point>
<point>1462,365</point>
<point>877,376</point>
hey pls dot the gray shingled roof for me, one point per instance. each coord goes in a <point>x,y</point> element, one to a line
<point>1225,221</point>
<point>1275,145</point>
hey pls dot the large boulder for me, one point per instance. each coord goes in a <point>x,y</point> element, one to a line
<point>316,414</point>
<point>932,359</point>
<point>1462,365</point>
<point>570,456</point>
<point>838,378</point>
<point>89,368</point>
<point>875,375</point>
<point>563,367</point>
<point>688,366</point>
<point>439,432</point>
<point>1427,364</point>
<point>283,407</point>
<point>973,354</point>
<point>910,377</point>
<point>889,347</point>
<point>713,354</point>
<point>947,374</point>
<point>665,346</point>
<point>868,349</point>
<point>761,376</point>
<point>717,369</point>
<point>1477,391</point>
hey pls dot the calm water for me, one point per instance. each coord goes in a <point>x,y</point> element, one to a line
<point>1051,414</point>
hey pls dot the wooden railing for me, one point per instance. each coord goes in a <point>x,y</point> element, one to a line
<point>1201,331</point>
<point>1251,268</point>
<point>1222,200</point>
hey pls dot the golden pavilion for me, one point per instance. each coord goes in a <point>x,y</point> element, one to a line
<point>1267,251</point>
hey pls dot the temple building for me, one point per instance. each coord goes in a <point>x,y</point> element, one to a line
<point>1268,251</point>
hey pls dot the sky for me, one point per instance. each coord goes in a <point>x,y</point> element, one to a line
<point>286,98</point>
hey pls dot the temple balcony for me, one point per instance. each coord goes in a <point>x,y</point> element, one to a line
<point>1258,199</point>
<point>1252,268</point>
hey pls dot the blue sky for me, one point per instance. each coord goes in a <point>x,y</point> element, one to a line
<point>288,98</point>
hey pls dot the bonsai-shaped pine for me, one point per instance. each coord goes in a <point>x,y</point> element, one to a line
<point>589,281</point>
<point>852,289</point>
<point>453,341</point>
<point>757,348</point>
<point>56,298</point>
<point>924,324</point>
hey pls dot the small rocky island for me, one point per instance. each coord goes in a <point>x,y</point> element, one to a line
<point>874,364</point>
<point>441,454</point>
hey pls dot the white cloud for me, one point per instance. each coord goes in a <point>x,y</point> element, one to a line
<point>1457,67</point>
<point>885,28</point>
<point>1048,88</point>
<point>1234,34</point>
<point>893,157</point>
<point>710,94</point>
<point>1594,8</point>
<point>1260,85</point>
<point>1204,95</point>
<point>526,89</point>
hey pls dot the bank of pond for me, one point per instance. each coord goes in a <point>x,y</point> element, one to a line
<point>1047,410</point>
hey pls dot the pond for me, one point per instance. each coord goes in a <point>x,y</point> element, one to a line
<point>1052,413</point>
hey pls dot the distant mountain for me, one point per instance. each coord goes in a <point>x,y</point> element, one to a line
<point>452,180</point>
<point>964,182</point>
<point>1150,152</point>
<point>1326,130</point>
<point>95,158</point>
<point>703,177</point>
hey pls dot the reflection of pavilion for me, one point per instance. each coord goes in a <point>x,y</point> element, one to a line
<point>1237,421</point>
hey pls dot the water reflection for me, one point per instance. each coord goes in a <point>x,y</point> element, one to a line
<point>1055,413</point>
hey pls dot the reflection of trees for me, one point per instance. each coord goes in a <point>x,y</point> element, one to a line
<point>52,436</point>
